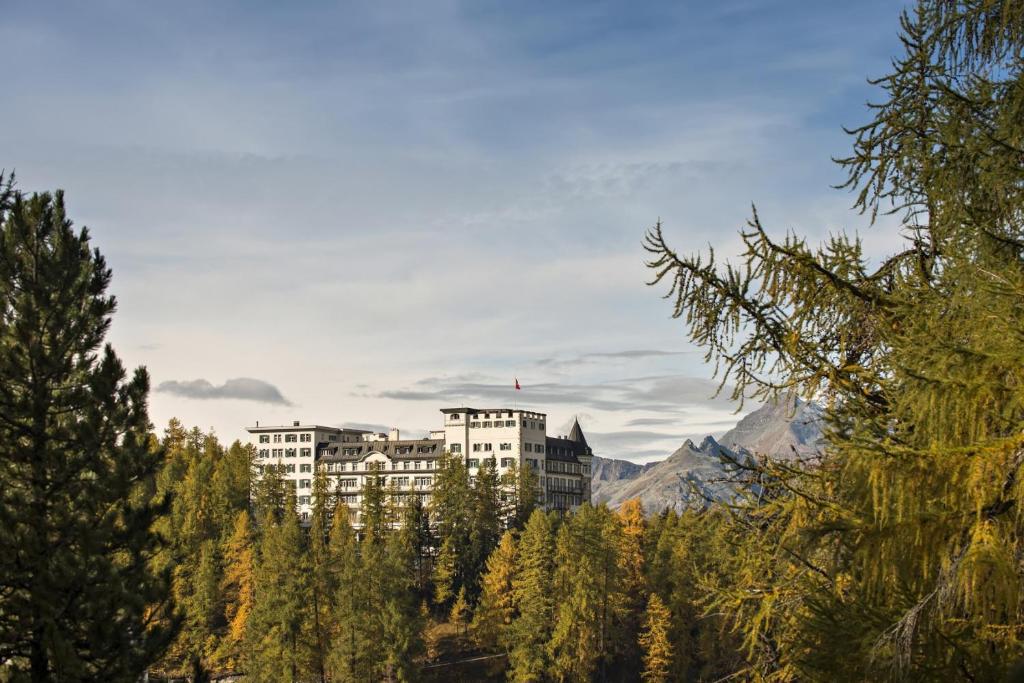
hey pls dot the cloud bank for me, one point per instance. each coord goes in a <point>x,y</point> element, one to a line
<point>239,388</point>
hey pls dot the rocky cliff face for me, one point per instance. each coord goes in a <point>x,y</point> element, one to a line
<point>694,473</point>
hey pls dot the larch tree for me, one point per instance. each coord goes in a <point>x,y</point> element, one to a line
<point>237,585</point>
<point>497,607</point>
<point>897,553</point>
<point>588,579</point>
<point>79,597</point>
<point>655,643</point>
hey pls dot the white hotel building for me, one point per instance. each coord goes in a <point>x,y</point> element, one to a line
<point>504,435</point>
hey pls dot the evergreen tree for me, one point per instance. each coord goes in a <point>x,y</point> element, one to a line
<point>655,642</point>
<point>452,514</point>
<point>275,650</point>
<point>522,491</point>
<point>79,598</point>
<point>532,590</point>
<point>352,641</point>
<point>485,524</point>
<point>322,579</point>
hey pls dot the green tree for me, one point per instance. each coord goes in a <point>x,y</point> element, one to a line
<point>275,650</point>
<point>588,581</point>
<point>521,487</point>
<point>654,642</point>
<point>352,644</point>
<point>896,554</point>
<point>78,592</point>
<point>322,574</point>
<point>532,590</point>
<point>485,527</point>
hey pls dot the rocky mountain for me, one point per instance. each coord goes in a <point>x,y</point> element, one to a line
<point>787,429</point>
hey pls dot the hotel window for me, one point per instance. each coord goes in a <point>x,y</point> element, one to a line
<point>264,453</point>
<point>401,481</point>
<point>342,466</point>
<point>277,438</point>
<point>289,453</point>
<point>347,483</point>
<point>303,500</point>
<point>474,425</point>
<point>529,447</point>
<point>473,462</point>
<point>455,448</point>
<point>305,468</point>
<point>278,452</point>
<point>423,481</point>
<point>291,438</point>
<point>510,423</point>
<point>290,469</point>
<point>264,438</point>
<point>428,464</point>
<point>332,437</point>
<point>487,447</point>
<point>476,448</point>
<point>405,465</point>
<point>487,424</point>
<point>538,448</point>
<point>506,462</point>
<point>306,437</point>
<point>305,452</point>
<point>416,465</point>
<point>505,446</point>
<point>454,417</point>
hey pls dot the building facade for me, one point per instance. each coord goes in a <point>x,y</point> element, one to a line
<point>507,436</point>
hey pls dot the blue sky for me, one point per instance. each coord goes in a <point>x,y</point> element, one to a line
<point>358,213</point>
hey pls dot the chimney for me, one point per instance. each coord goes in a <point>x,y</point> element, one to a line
<point>393,436</point>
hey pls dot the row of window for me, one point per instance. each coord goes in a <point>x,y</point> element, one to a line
<point>288,438</point>
<point>497,423</point>
<point>373,466</point>
<point>284,452</point>
<point>353,482</point>
<point>533,447</point>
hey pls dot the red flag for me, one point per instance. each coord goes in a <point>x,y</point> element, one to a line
<point>517,384</point>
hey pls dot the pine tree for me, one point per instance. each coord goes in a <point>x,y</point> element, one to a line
<point>532,590</point>
<point>275,650</point>
<point>485,527</point>
<point>655,642</point>
<point>522,487</point>
<point>78,594</point>
<point>452,514</point>
<point>322,579</point>
<point>352,641</point>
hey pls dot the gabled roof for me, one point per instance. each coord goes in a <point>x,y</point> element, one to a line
<point>576,433</point>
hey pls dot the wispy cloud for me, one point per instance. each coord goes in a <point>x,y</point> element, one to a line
<point>627,355</point>
<point>240,388</point>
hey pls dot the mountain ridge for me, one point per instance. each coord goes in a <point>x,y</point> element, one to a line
<point>788,429</point>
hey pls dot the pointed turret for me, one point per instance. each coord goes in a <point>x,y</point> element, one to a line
<point>576,434</point>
